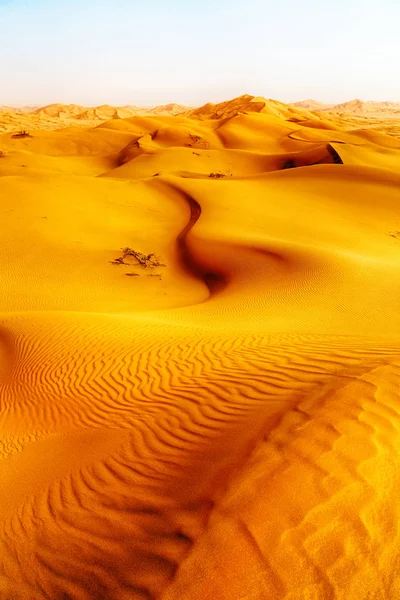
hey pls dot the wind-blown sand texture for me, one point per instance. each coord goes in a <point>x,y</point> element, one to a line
<point>223,423</point>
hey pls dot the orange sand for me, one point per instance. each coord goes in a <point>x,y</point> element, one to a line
<point>222,424</point>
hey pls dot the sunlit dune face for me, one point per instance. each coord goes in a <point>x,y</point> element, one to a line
<point>200,352</point>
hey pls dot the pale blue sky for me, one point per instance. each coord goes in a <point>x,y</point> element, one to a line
<point>148,52</point>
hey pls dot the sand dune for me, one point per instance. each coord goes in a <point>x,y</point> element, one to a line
<point>247,104</point>
<point>200,353</point>
<point>169,109</point>
<point>59,116</point>
<point>356,107</point>
<point>371,109</point>
<point>312,105</point>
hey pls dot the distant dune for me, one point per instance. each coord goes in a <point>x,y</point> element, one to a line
<point>9,109</point>
<point>354,107</point>
<point>18,110</point>
<point>243,104</point>
<point>59,116</point>
<point>168,109</point>
<point>312,105</point>
<point>59,110</point>
<point>200,352</point>
<point>358,107</point>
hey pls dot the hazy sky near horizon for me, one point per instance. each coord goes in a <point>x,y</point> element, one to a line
<point>189,51</point>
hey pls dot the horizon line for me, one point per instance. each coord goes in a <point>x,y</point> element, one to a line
<point>35,105</point>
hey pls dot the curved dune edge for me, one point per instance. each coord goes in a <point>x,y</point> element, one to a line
<point>223,426</point>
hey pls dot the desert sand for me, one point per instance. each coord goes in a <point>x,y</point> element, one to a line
<point>200,354</point>
<point>60,116</point>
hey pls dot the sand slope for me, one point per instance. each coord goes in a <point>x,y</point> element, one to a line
<point>354,107</point>
<point>223,422</point>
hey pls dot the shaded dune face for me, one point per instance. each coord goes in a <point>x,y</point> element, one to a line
<point>223,421</point>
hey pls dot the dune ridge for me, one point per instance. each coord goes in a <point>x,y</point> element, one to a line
<point>58,115</point>
<point>221,421</point>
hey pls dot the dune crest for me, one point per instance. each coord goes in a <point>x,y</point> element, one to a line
<point>199,353</point>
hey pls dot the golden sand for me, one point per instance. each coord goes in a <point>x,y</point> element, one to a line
<point>213,412</point>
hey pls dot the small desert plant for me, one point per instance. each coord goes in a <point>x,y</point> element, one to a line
<point>194,138</point>
<point>21,134</point>
<point>220,175</point>
<point>144,260</point>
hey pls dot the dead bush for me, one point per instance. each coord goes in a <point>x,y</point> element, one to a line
<point>144,260</point>
<point>21,134</point>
